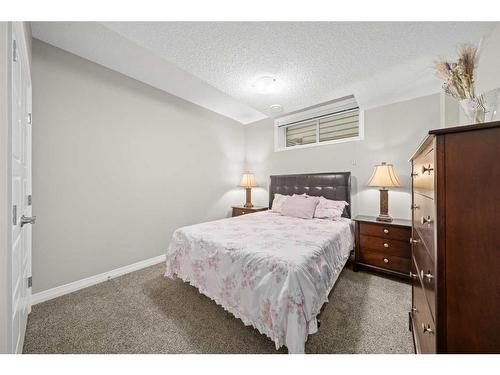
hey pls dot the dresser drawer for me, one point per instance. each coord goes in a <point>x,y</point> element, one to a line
<point>426,272</point>
<point>424,329</point>
<point>423,171</point>
<point>424,220</point>
<point>385,231</point>
<point>383,260</point>
<point>386,245</point>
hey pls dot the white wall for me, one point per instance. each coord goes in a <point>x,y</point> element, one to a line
<point>488,71</point>
<point>487,78</point>
<point>392,134</point>
<point>118,166</point>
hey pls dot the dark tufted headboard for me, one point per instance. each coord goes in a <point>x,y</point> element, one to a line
<point>333,185</point>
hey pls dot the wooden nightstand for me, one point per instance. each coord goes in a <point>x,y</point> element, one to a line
<point>240,210</point>
<point>383,247</point>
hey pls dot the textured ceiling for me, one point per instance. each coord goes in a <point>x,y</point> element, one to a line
<point>103,46</point>
<point>314,62</point>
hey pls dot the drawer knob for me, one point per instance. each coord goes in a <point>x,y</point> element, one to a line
<point>414,206</point>
<point>386,230</point>
<point>429,276</point>
<point>386,260</point>
<point>428,169</point>
<point>427,328</point>
<point>414,310</point>
<point>413,275</point>
<point>414,174</point>
<point>414,242</point>
<point>386,245</point>
<point>426,220</point>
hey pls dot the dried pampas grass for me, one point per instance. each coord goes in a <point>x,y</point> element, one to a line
<point>459,75</point>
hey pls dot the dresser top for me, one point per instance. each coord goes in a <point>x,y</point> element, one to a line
<point>466,128</point>
<point>373,219</point>
<point>455,129</point>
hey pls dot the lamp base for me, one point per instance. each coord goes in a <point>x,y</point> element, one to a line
<point>248,203</point>
<point>384,206</point>
<point>384,218</point>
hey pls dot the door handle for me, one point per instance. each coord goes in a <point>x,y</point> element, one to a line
<point>27,220</point>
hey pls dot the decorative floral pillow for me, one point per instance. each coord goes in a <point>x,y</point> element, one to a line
<point>278,201</point>
<point>329,209</point>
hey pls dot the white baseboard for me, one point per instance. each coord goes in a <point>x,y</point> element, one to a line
<point>92,280</point>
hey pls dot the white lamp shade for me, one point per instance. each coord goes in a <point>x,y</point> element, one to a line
<point>248,180</point>
<point>384,176</point>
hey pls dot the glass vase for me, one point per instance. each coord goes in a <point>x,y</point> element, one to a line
<point>490,100</point>
<point>481,109</point>
<point>474,112</point>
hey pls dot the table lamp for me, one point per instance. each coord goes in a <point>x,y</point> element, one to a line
<point>248,182</point>
<point>383,176</point>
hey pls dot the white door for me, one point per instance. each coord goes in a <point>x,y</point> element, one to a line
<point>21,187</point>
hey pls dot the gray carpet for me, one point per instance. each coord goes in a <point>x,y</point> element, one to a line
<point>143,312</point>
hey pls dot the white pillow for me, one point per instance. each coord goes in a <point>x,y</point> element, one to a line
<point>278,201</point>
<point>300,206</point>
<point>329,209</point>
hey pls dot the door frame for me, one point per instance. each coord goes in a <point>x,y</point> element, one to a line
<point>5,186</point>
<point>6,57</point>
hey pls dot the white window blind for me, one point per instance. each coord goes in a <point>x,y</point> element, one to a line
<point>301,134</point>
<point>326,128</point>
<point>339,125</point>
<point>337,121</point>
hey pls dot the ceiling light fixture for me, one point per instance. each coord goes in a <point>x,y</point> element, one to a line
<point>276,108</point>
<point>265,84</point>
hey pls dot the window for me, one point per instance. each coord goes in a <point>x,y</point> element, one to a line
<point>301,134</point>
<point>338,121</point>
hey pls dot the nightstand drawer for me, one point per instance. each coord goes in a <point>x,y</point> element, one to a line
<point>385,231</point>
<point>241,211</point>
<point>386,245</point>
<point>383,247</point>
<point>383,260</point>
<point>238,211</point>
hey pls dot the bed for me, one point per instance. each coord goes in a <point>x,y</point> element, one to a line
<point>271,271</point>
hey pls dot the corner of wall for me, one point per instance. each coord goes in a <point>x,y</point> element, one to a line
<point>449,111</point>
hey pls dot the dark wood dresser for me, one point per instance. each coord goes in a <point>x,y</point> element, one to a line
<point>382,246</point>
<point>456,241</point>
<point>241,210</point>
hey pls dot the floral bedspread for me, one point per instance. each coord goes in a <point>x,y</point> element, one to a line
<point>273,272</point>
